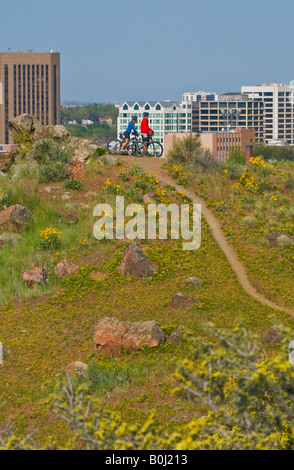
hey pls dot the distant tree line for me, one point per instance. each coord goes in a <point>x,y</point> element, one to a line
<point>99,131</point>
<point>93,112</point>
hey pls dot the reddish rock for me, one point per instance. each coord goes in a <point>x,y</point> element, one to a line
<point>112,335</point>
<point>17,215</point>
<point>136,264</point>
<point>66,268</point>
<point>77,368</point>
<point>182,300</point>
<point>77,169</point>
<point>34,276</point>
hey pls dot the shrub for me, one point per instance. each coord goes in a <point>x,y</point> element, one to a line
<point>99,152</point>
<point>237,156</point>
<point>73,183</point>
<point>53,159</point>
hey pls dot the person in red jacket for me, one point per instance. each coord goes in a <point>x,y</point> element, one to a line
<point>146,131</point>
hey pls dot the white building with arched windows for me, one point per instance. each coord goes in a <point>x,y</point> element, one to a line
<point>164,117</point>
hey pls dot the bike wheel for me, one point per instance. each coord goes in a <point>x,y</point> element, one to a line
<point>154,149</point>
<point>114,146</point>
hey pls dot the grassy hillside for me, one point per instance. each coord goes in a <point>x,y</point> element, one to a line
<point>45,329</point>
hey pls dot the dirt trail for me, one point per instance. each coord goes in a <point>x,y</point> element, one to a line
<point>154,165</point>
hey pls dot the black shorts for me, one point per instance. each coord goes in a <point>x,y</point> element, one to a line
<point>127,135</point>
<point>145,138</point>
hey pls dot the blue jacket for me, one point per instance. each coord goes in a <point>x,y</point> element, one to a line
<point>131,127</point>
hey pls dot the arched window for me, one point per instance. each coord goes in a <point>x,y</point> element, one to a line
<point>136,107</point>
<point>158,107</point>
<point>125,107</point>
<point>174,108</point>
<point>147,107</point>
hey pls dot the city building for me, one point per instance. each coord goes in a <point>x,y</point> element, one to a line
<point>199,96</point>
<point>219,143</point>
<point>29,83</point>
<point>278,100</point>
<point>232,110</point>
<point>164,117</point>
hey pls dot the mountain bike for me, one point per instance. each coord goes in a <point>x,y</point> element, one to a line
<point>153,148</point>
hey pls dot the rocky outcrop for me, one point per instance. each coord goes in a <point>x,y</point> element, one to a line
<point>6,162</point>
<point>34,277</point>
<point>136,264</point>
<point>18,216</point>
<point>28,125</point>
<point>66,268</point>
<point>111,336</point>
<point>82,150</point>
<point>279,238</point>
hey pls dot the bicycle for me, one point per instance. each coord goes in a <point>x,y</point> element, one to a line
<point>153,148</point>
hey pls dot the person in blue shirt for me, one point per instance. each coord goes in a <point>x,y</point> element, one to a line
<point>127,135</point>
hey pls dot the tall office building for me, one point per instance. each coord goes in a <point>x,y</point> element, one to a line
<point>231,111</point>
<point>29,83</point>
<point>278,99</point>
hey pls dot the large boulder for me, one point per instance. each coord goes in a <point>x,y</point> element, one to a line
<point>17,215</point>
<point>111,336</point>
<point>35,276</point>
<point>136,264</point>
<point>66,268</point>
<point>82,150</point>
<point>59,133</point>
<point>25,124</point>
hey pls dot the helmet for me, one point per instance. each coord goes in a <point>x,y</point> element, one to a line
<point>145,114</point>
<point>134,118</point>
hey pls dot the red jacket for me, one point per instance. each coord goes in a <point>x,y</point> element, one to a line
<point>145,129</point>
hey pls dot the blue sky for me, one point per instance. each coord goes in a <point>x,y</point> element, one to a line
<point>113,50</point>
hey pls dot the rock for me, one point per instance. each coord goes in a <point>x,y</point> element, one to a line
<point>66,268</point>
<point>65,197</point>
<point>136,264</point>
<point>59,132</point>
<point>17,215</point>
<point>78,205</point>
<point>182,300</point>
<point>273,335</point>
<point>112,336</point>
<point>76,169</point>
<point>77,368</point>
<point>25,124</point>
<point>35,276</point>
<point>279,238</point>
<point>110,160</point>
<point>82,150</point>
<point>6,162</point>
<point>177,335</point>
<point>149,198</point>
<point>68,219</point>
<point>48,189</point>
<point>192,281</point>
<point>9,238</point>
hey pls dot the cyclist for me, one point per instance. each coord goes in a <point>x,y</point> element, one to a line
<point>146,131</point>
<point>131,127</point>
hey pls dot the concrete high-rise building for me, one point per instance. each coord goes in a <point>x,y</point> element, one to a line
<point>29,83</point>
<point>231,111</point>
<point>278,99</point>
